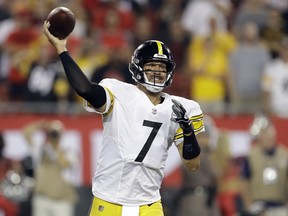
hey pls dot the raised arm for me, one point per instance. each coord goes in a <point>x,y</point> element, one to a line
<point>92,92</point>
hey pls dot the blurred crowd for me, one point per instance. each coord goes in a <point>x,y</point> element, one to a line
<point>231,55</point>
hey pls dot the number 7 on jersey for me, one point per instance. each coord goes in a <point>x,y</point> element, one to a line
<point>155,128</point>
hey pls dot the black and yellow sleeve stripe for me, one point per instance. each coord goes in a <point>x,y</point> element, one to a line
<point>111,102</point>
<point>198,125</point>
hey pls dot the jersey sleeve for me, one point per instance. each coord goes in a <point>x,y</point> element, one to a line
<point>196,116</point>
<point>109,101</point>
<point>115,90</point>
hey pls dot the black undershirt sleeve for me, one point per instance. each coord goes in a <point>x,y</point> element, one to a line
<point>92,92</point>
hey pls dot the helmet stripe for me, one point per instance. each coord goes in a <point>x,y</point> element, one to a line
<point>160,49</point>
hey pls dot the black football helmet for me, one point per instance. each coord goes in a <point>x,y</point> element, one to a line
<point>151,50</point>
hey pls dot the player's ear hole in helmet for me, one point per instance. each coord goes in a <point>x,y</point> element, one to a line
<point>151,51</point>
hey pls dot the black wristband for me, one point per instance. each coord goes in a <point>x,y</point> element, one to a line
<point>191,148</point>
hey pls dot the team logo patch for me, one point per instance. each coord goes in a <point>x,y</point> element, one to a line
<point>101,208</point>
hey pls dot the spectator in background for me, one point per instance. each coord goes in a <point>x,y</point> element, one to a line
<point>280,5</point>
<point>264,176</point>
<point>142,31</point>
<point>4,10</point>
<point>114,43</point>
<point>208,65</point>
<point>101,13</point>
<point>6,25</point>
<point>21,47</point>
<point>170,10</point>
<point>273,32</point>
<point>198,196</point>
<point>53,192</point>
<point>251,11</point>
<point>7,207</point>
<point>112,36</point>
<point>198,13</point>
<point>228,167</point>
<point>16,183</point>
<point>285,17</point>
<point>275,83</point>
<point>45,84</point>
<point>115,67</point>
<point>247,64</point>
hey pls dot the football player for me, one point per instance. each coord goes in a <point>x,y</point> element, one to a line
<point>140,123</point>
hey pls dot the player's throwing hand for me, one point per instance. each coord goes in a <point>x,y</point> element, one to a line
<point>59,45</point>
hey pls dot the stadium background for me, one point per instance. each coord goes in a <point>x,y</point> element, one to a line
<point>84,130</point>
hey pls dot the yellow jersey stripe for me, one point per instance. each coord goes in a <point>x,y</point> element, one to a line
<point>111,102</point>
<point>180,132</point>
<point>180,135</point>
<point>198,125</point>
<point>160,48</point>
<point>193,118</point>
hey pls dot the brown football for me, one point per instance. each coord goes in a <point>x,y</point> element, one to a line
<point>62,22</point>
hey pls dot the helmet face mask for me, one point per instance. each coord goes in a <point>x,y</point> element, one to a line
<point>152,51</point>
<point>153,85</point>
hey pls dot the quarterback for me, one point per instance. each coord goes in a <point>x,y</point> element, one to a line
<point>140,123</point>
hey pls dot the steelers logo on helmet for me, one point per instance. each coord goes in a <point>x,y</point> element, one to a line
<point>152,51</point>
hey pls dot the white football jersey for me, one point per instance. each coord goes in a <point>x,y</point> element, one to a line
<point>136,138</point>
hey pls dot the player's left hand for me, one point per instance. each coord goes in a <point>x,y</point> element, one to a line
<point>180,116</point>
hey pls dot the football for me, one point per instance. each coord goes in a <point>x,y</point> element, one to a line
<point>62,22</point>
